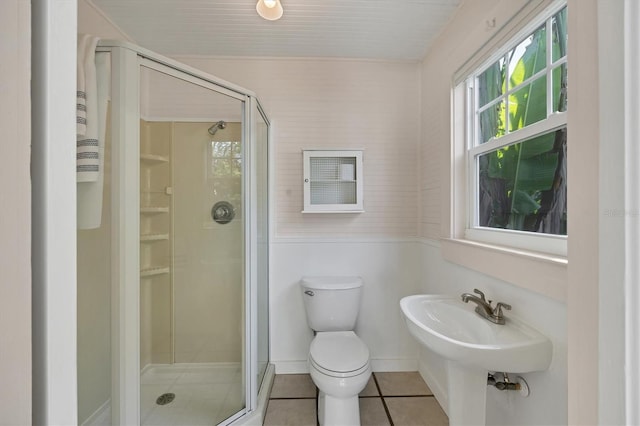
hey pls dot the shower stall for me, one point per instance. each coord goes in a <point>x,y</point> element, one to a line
<point>185,215</point>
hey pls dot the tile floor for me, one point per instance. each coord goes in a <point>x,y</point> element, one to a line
<point>392,399</point>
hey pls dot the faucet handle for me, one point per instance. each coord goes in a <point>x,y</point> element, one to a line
<point>476,291</point>
<point>498,309</point>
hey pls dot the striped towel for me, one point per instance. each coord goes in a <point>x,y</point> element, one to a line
<point>87,144</point>
<point>81,93</point>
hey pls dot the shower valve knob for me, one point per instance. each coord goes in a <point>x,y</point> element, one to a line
<point>223,212</point>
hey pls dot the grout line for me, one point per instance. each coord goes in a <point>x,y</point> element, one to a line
<point>317,411</point>
<point>384,404</point>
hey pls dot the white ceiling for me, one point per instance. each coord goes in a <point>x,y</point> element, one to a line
<point>377,29</point>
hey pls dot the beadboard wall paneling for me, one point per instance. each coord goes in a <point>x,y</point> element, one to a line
<point>434,151</point>
<point>465,34</point>
<point>338,104</point>
<point>167,98</point>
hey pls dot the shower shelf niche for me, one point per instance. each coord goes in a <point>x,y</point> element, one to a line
<point>153,159</point>
<point>155,237</point>
<point>151,272</point>
<point>154,210</point>
<point>147,238</point>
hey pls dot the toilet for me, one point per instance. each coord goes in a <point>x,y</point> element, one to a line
<point>338,360</point>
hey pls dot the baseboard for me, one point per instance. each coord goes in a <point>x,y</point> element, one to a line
<point>394,365</point>
<point>291,367</point>
<point>101,417</point>
<point>302,367</point>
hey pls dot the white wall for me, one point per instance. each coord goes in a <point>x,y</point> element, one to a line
<point>15,226</point>
<point>92,21</point>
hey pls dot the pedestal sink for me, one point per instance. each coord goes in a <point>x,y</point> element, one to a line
<point>472,347</point>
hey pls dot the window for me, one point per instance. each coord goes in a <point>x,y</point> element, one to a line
<point>516,131</point>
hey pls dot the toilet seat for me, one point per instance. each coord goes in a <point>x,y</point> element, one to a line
<point>339,354</point>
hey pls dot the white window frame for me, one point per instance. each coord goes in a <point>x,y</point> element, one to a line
<point>537,242</point>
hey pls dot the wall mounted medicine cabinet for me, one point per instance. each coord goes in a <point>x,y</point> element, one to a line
<point>332,181</point>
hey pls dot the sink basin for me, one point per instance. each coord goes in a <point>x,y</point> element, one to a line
<point>453,330</point>
<point>472,346</point>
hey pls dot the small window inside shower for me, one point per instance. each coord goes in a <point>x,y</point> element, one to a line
<point>224,171</point>
<point>226,159</point>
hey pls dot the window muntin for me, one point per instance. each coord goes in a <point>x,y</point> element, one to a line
<point>517,143</point>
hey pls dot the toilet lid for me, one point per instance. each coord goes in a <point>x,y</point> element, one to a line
<point>339,351</point>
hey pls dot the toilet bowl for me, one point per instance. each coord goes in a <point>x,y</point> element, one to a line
<point>339,361</point>
<point>340,368</point>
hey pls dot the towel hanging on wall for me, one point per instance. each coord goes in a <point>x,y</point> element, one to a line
<point>87,144</point>
<point>90,193</point>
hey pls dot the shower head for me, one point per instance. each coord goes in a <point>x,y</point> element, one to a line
<point>219,125</point>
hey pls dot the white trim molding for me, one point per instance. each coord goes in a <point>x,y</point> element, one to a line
<point>619,213</point>
<point>54,46</point>
<point>511,265</point>
<point>632,204</point>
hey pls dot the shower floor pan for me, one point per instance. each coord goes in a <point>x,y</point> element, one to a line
<point>203,394</point>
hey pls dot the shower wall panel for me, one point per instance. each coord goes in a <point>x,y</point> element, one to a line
<point>155,243</point>
<point>208,266</point>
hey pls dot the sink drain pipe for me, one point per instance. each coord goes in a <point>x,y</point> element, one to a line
<point>506,384</point>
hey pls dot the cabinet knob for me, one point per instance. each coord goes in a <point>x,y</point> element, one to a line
<point>306,180</point>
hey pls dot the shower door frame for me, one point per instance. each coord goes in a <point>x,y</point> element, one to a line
<point>127,60</point>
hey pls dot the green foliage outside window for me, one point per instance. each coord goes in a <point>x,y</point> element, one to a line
<point>523,186</point>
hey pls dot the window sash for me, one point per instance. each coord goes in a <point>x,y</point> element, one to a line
<point>555,121</point>
<point>545,71</point>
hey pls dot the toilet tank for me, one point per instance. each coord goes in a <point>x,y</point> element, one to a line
<point>331,303</point>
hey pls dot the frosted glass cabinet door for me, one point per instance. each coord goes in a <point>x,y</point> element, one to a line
<point>332,181</point>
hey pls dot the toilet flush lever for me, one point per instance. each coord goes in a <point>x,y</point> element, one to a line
<point>309,293</point>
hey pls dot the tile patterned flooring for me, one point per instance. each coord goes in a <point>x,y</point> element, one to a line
<point>389,399</point>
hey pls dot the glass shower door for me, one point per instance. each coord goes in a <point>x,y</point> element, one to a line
<point>192,250</point>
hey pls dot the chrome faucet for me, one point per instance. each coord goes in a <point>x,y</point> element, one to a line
<point>484,308</point>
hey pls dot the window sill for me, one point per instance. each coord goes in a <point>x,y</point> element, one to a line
<point>542,273</point>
